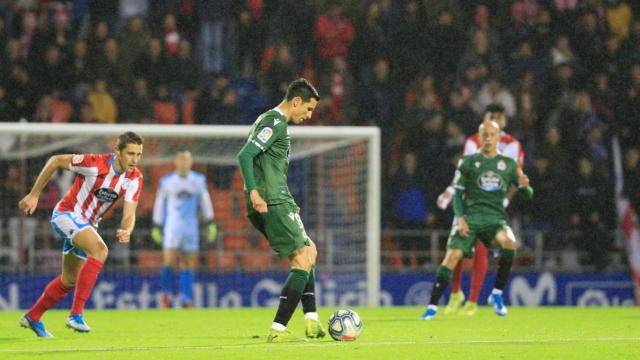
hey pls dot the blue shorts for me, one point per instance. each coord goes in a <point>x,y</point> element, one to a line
<point>66,224</point>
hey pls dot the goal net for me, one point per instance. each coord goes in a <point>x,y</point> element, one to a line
<point>334,176</point>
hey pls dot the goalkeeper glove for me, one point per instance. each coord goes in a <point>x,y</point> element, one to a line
<point>156,235</point>
<point>212,232</point>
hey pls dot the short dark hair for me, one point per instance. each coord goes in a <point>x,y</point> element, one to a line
<point>494,108</point>
<point>303,88</point>
<point>128,138</point>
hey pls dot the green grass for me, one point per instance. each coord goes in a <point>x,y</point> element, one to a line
<point>389,333</point>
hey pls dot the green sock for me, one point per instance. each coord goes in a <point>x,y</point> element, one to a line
<point>443,275</point>
<point>309,294</point>
<point>290,295</point>
<point>504,267</point>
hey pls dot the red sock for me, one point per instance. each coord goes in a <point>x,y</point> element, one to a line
<point>456,278</point>
<point>480,265</point>
<point>52,294</point>
<point>87,277</point>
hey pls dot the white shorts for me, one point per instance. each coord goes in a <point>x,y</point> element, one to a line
<point>182,243</point>
<point>67,224</point>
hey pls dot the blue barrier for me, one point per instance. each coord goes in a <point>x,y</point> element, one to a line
<point>137,291</point>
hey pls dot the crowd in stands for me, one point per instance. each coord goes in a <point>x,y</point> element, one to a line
<point>566,71</point>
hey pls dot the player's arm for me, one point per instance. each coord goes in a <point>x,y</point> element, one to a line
<point>259,142</point>
<point>128,222</point>
<point>206,209</point>
<point>524,187</point>
<point>445,197</point>
<point>245,159</point>
<point>159,205</point>
<point>29,203</point>
<point>458,201</point>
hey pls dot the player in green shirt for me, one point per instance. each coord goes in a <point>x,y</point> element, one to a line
<point>264,162</point>
<point>484,179</point>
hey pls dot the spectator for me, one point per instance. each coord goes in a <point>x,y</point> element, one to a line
<point>410,210</point>
<point>132,41</point>
<point>97,41</point>
<point>410,43</point>
<point>103,106</point>
<point>136,106</point>
<point>589,207</point>
<point>448,43</point>
<point>460,113</point>
<point>52,74</point>
<point>79,71</point>
<point>110,69</point>
<point>379,98</point>
<point>338,86</point>
<point>152,65</point>
<point>217,19</point>
<point>333,34</point>
<point>619,17</point>
<point>370,43</point>
<point>164,110</point>
<point>281,73</point>
<point>171,35</point>
<point>479,53</point>
<point>184,75</point>
<point>494,92</point>
<point>252,36</point>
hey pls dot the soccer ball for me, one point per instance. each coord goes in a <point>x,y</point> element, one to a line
<point>345,325</point>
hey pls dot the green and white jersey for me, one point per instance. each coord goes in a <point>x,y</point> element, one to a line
<point>270,134</point>
<point>484,181</point>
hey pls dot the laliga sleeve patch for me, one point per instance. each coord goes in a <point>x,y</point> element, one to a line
<point>77,159</point>
<point>265,134</point>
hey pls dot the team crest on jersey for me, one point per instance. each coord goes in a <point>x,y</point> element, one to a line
<point>265,134</point>
<point>477,164</point>
<point>490,181</point>
<point>501,165</point>
<point>77,159</point>
<point>106,195</point>
<point>184,194</point>
<point>276,122</point>
<point>125,184</point>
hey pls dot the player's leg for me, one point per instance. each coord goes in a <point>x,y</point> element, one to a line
<point>56,290</point>
<point>286,235</point>
<point>457,248</point>
<point>169,262</point>
<point>93,247</point>
<point>291,294</point>
<point>443,276</point>
<point>478,273</point>
<point>507,241</point>
<point>457,295</point>
<point>187,277</point>
<point>313,328</point>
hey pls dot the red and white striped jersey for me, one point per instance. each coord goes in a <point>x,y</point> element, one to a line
<point>97,186</point>
<point>507,146</point>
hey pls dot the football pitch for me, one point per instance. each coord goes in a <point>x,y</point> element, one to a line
<point>389,333</point>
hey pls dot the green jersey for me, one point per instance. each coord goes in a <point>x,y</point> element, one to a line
<point>484,181</point>
<point>270,134</point>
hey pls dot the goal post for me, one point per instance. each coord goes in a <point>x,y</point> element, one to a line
<point>334,176</point>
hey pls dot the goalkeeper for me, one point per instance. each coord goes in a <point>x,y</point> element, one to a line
<point>181,195</point>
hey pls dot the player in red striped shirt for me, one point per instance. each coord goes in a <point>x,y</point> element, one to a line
<point>507,146</point>
<point>101,180</point>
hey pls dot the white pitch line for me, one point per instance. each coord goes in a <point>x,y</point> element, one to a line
<point>324,344</point>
